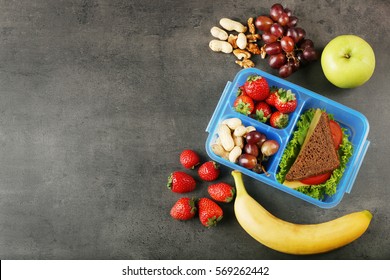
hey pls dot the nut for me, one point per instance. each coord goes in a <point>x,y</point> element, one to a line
<point>219,33</point>
<point>241,41</point>
<point>232,123</point>
<point>239,141</point>
<point>252,38</point>
<point>251,26</point>
<point>220,46</point>
<point>235,153</point>
<point>231,25</point>
<point>232,40</point>
<point>241,54</point>
<point>246,63</point>
<point>253,48</point>
<point>220,151</point>
<point>239,131</point>
<point>225,135</point>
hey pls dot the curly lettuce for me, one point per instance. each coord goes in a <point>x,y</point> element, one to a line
<point>345,151</point>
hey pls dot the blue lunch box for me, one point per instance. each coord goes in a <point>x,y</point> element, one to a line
<point>354,122</point>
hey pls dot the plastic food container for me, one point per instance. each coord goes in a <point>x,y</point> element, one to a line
<point>356,124</point>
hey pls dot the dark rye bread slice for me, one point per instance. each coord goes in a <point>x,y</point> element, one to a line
<point>318,154</point>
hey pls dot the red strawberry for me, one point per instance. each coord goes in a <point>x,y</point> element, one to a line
<point>209,212</point>
<point>278,120</point>
<point>256,87</point>
<point>209,171</point>
<point>183,209</point>
<point>181,182</point>
<point>286,101</point>
<point>262,111</point>
<point>222,192</point>
<point>271,99</point>
<point>241,91</point>
<point>189,159</point>
<point>244,105</point>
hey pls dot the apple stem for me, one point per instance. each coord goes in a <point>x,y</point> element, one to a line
<point>347,55</point>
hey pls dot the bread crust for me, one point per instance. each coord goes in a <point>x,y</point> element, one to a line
<point>318,156</point>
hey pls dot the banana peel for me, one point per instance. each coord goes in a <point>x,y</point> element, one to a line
<point>296,239</point>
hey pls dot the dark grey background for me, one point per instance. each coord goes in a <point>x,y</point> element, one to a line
<point>98,98</point>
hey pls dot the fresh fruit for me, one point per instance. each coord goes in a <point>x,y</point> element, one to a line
<point>348,61</point>
<point>290,238</point>
<point>278,120</point>
<point>209,171</point>
<point>337,133</point>
<point>244,105</point>
<point>263,23</point>
<point>209,212</point>
<point>256,87</point>
<point>262,111</point>
<point>184,209</point>
<point>181,182</point>
<point>318,179</point>
<point>189,159</point>
<point>222,192</point>
<point>271,99</point>
<point>255,137</point>
<point>247,160</point>
<point>269,148</point>
<point>286,101</point>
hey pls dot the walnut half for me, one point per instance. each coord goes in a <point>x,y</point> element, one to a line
<point>246,63</point>
<point>241,54</point>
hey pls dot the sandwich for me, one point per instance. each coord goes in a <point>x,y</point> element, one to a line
<point>313,163</point>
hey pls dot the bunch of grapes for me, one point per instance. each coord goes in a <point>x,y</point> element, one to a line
<point>285,43</point>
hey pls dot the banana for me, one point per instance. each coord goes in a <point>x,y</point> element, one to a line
<point>290,238</point>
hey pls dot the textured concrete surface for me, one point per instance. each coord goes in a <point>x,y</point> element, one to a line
<point>98,98</point>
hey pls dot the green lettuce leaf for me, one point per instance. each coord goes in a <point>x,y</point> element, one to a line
<point>291,152</point>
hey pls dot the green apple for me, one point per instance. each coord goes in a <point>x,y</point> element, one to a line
<point>348,61</point>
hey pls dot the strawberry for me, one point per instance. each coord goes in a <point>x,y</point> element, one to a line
<point>271,99</point>
<point>181,182</point>
<point>209,212</point>
<point>221,192</point>
<point>240,91</point>
<point>256,87</point>
<point>286,101</point>
<point>209,171</point>
<point>184,209</point>
<point>244,104</point>
<point>262,111</point>
<point>189,159</point>
<point>278,120</point>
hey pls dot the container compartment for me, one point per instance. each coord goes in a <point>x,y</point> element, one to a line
<point>354,122</point>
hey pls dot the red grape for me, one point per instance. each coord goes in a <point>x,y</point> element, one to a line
<point>268,37</point>
<point>247,161</point>
<point>253,137</point>
<point>273,48</point>
<point>263,23</point>
<point>301,33</point>
<point>283,19</point>
<point>285,71</point>
<point>277,60</point>
<point>292,21</point>
<point>251,149</point>
<point>309,54</point>
<point>292,32</point>
<point>288,12</point>
<point>276,29</point>
<point>275,11</point>
<point>306,43</point>
<point>270,147</point>
<point>287,44</point>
